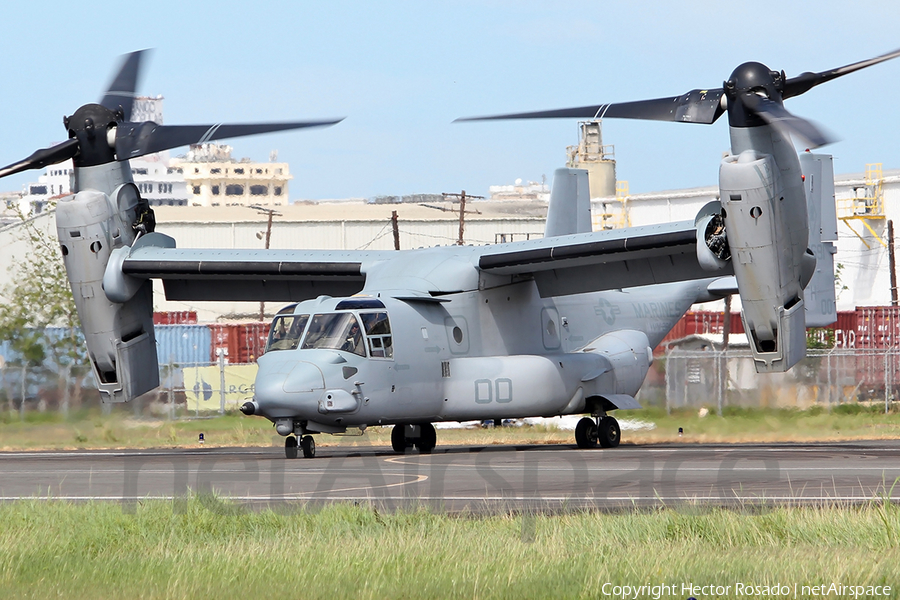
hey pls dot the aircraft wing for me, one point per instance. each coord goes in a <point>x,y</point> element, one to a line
<point>243,274</point>
<point>604,260</point>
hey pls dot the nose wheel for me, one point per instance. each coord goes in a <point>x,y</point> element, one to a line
<point>293,446</point>
<point>290,447</point>
<point>604,431</point>
<point>308,445</point>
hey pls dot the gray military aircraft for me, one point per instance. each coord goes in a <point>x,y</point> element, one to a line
<point>561,325</point>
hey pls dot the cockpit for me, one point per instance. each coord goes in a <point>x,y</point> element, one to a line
<point>357,325</point>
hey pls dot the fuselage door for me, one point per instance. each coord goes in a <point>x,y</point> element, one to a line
<point>550,328</point>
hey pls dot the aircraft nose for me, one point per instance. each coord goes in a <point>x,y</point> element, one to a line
<point>304,377</point>
<point>288,387</point>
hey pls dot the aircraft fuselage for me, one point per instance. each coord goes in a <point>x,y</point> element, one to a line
<point>486,354</point>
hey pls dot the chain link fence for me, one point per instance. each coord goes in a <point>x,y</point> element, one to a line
<point>681,378</point>
<point>716,379</point>
<point>186,390</point>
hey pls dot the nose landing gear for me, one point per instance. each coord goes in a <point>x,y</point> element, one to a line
<point>290,447</point>
<point>605,432</point>
<point>307,444</point>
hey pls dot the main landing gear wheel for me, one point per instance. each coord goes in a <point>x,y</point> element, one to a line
<point>308,444</point>
<point>586,433</point>
<point>609,433</point>
<point>427,438</point>
<point>398,438</point>
<point>290,447</point>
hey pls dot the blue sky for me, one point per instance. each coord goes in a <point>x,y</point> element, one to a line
<point>402,71</point>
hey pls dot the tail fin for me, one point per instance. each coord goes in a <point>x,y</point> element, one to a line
<point>819,294</point>
<point>570,203</point>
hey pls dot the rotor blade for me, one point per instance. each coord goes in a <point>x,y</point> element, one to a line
<point>775,114</point>
<point>806,81</point>
<point>697,106</point>
<point>121,91</point>
<point>43,157</point>
<point>138,139</point>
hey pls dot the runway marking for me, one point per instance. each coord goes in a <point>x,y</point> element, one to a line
<point>397,460</point>
<point>855,446</point>
<point>419,479</point>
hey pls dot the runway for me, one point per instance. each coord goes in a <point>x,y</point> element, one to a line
<point>476,479</point>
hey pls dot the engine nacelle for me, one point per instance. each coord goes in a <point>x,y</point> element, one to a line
<point>767,236</point>
<point>119,335</point>
<point>713,252</point>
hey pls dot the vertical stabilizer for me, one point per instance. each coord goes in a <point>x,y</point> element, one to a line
<point>570,203</point>
<point>819,294</point>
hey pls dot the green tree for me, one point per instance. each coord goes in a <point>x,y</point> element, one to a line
<point>39,297</point>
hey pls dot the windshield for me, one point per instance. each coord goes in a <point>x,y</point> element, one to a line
<point>336,331</point>
<point>286,332</point>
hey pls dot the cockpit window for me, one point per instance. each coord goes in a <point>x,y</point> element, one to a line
<point>378,330</point>
<point>337,331</point>
<point>286,332</point>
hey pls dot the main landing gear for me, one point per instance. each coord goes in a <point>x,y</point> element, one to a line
<point>405,436</point>
<point>604,431</point>
<point>307,444</point>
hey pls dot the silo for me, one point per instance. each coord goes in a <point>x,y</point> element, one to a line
<point>597,159</point>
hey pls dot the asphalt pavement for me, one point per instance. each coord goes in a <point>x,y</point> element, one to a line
<point>474,479</point>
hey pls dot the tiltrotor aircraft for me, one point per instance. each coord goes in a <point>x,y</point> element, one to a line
<point>561,325</point>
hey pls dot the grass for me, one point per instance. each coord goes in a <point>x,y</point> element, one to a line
<point>90,429</point>
<point>55,549</point>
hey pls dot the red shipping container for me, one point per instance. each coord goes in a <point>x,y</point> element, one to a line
<point>241,343</point>
<point>701,323</point>
<point>183,317</point>
<point>877,326</point>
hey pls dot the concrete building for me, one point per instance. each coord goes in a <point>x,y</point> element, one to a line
<point>214,178</point>
<point>519,191</point>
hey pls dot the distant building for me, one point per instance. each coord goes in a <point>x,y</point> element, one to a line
<point>214,178</point>
<point>159,184</point>
<point>521,191</point>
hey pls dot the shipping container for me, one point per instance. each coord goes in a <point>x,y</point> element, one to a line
<point>845,329</point>
<point>183,344</point>
<point>700,323</point>
<point>181,317</point>
<point>241,343</point>
<point>877,326</point>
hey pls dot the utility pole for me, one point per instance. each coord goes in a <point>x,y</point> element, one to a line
<point>723,365</point>
<point>462,212</point>
<point>892,263</point>
<point>396,229</point>
<point>726,324</point>
<point>271,213</point>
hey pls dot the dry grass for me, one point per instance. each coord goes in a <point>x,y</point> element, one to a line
<point>86,430</point>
